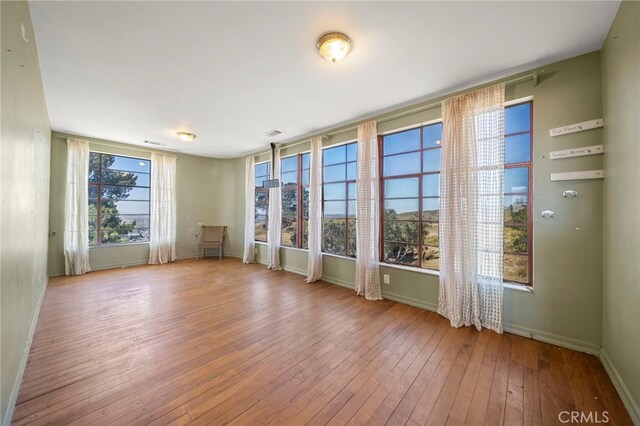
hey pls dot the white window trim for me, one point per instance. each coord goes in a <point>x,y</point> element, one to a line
<point>137,243</point>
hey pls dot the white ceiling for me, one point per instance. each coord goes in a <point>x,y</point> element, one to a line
<point>231,71</point>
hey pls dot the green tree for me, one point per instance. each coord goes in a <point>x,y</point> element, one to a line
<point>290,213</point>
<point>116,186</point>
<point>516,239</point>
<point>334,233</point>
<point>516,211</point>
<point>401,238</point>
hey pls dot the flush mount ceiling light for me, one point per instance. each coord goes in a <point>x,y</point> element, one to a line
<point>334,46</point>
<point>186,136</point>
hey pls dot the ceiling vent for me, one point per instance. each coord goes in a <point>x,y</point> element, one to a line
<point>155,143</point>
<point>272,133</point>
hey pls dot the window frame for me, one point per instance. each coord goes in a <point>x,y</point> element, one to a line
<point>420,176</point>
<point>346,183</point>
<point>421,222</point>
<point>300,187</point>
<point>99,184</point>
<point>529,164</point>
<point>255,196</point>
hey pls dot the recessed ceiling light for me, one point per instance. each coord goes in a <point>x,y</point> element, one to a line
<point>186,136</point>
<point>334,46</point>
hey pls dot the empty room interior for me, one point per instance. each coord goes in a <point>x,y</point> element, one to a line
<point>305,212</point>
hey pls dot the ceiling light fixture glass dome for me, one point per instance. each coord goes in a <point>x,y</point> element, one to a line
<point>186,136</point>
<point>334,46</point>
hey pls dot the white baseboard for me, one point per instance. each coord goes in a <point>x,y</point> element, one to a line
<point>13,397</point>
<point>623,391</point>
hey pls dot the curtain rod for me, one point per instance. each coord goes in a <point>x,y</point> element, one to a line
<point>531,76</point>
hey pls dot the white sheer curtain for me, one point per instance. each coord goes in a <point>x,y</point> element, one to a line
<point>367,213</point>
<point>471,209</point>
<point>76,209</point>
<point>275,217</point>
<point>249,211</point>
<point>314,262</point>
<point>162,240</point>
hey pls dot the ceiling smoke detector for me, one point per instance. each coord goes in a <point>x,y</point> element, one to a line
<point>272,133</point>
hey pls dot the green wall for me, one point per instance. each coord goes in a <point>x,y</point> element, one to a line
<point>566,305</point>
<point>621,104</point>
<point>205,189</point>
<point>25,193</point>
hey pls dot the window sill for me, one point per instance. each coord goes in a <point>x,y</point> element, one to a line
<point>518,287</point>
<point>507,285</point>
<point>410,268</point>
<point>339,256</point>
<point>304,250</point>
<point>119,245</point>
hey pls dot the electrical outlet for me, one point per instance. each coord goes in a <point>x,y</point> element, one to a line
<point>255,250</point>
<point>385,278</point>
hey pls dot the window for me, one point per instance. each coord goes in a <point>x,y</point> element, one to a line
<point>410,195</point>
<point>295,207</point>
<point>118,199</point>
<point>518,175</point>
<point>262,201</point>
<point>339,200</point>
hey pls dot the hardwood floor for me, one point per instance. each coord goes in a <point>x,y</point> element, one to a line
<point>221,342</point>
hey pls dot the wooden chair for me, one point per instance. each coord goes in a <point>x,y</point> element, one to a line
<point>211,237</point>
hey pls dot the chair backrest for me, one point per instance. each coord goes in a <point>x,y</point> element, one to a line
<point>212,234</point>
